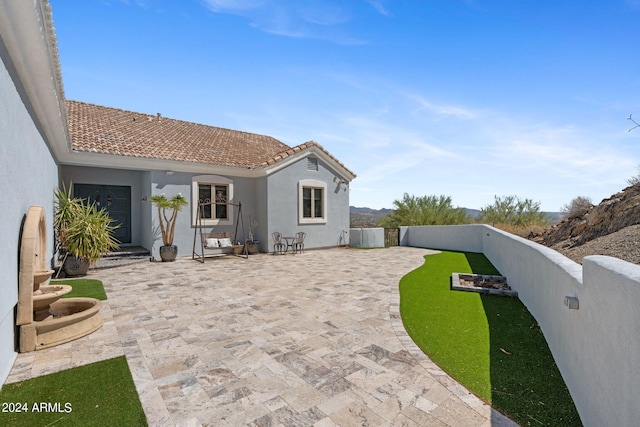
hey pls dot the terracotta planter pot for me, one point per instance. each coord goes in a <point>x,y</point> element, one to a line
<point>168,253</point>
<point>74,266</point>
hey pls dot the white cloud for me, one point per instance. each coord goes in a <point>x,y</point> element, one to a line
<point>486,153</point>
<point>378,5</point>
<point>384,150</point>
<point>442,110</point>
<point>145,4</point>
<point>403,140</point>
<point>315,19</point>
<point>234,6</point>
<point>323,13</point>
<point>566,152</point>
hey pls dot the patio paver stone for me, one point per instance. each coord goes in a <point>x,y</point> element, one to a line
<point>312,339</point>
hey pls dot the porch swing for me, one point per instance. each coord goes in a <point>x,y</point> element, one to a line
<point>217,243</point>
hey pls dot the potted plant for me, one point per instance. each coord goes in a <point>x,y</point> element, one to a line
<point>253,246</point>
<point>83,232</point>
<point>168,251</point>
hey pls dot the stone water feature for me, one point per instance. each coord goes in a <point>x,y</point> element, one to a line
<point>482,283</point>
<point>44,319</point>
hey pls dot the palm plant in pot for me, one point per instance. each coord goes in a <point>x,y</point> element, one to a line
<point>83,232</point>
<point>168,251</point>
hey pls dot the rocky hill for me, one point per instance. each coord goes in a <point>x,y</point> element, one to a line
<point>610,228</point>
<point>367,217</point>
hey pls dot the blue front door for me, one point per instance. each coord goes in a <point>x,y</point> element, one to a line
<point>115,199</point>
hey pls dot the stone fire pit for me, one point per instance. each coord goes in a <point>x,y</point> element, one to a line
<point>495,285</point>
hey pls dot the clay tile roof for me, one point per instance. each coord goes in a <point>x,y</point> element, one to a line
<point>125,133</point>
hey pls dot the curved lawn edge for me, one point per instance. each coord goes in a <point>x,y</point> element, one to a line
<point>490,344</point>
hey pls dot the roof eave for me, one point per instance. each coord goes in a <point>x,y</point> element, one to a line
<point>29,37</point>
<point>113,161</point>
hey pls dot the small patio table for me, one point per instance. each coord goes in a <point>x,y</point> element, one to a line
<point>290,242</point>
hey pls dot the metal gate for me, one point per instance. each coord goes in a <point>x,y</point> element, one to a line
<point>391,237</point>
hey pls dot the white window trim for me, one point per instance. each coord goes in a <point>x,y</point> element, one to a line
<point>314,183</point>
<point>211,180</point>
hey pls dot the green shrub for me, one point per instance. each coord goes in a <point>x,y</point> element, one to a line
<point>577,207</point>
<point>514,211</point>
<point>425,210</point>
<point>81,229</point>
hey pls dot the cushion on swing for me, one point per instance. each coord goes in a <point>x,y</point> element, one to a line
<point>224,243</point>
<point>212,243</point>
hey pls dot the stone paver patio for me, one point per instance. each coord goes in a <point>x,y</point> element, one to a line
<point>294,340</point>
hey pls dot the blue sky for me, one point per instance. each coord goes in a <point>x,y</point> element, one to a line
<point>467,98</point>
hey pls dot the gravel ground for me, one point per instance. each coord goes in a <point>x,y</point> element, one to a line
<point>623,244</point>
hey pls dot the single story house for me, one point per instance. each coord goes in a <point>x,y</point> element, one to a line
<point>120,159</point>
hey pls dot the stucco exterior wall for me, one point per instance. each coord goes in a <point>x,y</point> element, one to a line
<point>283,202</point>
<point>106,176</point>
<point>597,346</point>
<point>270,202</point>
<point>246,193</point>
<point>170,185</point>
<point>28,176</point>
<point>261,219</point>
<point>146,214</point>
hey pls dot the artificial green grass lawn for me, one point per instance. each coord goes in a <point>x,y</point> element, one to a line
<point>491,344</point>
<point>89,288</point>
<point>99,394</point>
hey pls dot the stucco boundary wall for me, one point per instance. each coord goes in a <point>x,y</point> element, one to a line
<point>597,346</point>
<point>366,237</point>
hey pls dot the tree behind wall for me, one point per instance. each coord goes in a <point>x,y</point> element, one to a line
<point>425,210</point>
<point>513,211</point>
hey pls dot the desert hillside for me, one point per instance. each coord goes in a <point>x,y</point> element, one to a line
<point>611,228</point>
